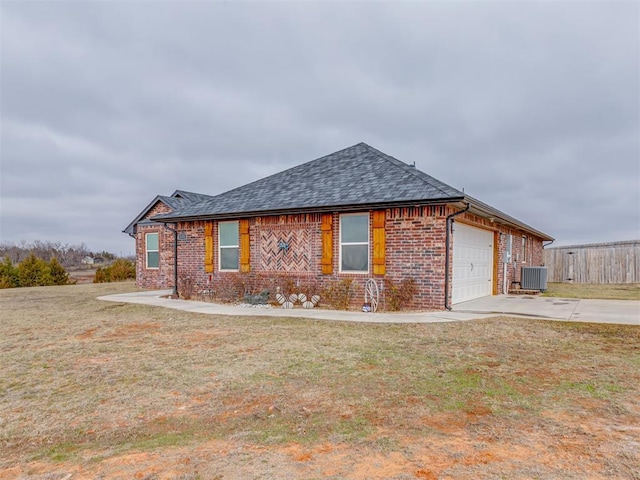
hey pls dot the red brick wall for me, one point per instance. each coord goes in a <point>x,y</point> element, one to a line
<point>415,248</point>
<point>191,254</point>
<point>161,277</point>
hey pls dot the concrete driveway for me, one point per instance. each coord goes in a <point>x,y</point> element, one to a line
<point>571,309</point>
<point>598,311</point>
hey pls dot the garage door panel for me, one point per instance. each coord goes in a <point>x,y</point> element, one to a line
<point>472,263</point>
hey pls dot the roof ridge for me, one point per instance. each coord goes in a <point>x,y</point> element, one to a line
<point>189,193</point>
<point>411,169</point>
<point>295,167</point>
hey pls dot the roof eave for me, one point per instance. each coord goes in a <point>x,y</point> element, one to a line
<point>477,207</point>
<point>482,209</point>
<point>168,218</point>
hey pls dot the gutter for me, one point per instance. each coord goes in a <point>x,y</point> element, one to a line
<point>487,211</point>
<point>175,258</point>
<point>447,254</point>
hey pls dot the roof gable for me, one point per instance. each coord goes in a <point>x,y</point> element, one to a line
<point>356,176</point>
<point>178,200</point>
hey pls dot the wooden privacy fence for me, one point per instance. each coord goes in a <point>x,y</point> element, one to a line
<point>617,262</point>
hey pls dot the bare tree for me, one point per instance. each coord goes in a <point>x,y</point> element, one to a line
<point>68,255</point>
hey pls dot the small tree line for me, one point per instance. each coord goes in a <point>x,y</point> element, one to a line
<point>32,272</point>
<point>46,263</point>
<point>68,255</point>
<point>37,272</point>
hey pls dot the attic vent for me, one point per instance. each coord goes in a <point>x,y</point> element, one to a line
<point>534,278</point>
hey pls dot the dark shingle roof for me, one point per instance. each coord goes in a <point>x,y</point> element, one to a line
<point>356,176</point>
<point>192,197</point>
<point>174,202</point>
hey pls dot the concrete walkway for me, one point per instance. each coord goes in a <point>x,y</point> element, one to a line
<point>155,298</point>
<point>572,309</point>
<point>598,311</point>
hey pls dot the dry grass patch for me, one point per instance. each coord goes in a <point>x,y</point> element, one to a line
<point>615,291</point>
<point>98,389</point>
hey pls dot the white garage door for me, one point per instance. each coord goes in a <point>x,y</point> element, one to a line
<point>472,263</point>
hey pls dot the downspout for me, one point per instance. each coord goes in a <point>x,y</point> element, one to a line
<point>447,255</point>
<point>175,258</point>
<point>135,249</point>
<point>545,246</point>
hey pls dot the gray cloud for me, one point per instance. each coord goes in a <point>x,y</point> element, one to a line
<point>531,107</point>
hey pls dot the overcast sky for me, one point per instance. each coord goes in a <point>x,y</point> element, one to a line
<point>530,107</point>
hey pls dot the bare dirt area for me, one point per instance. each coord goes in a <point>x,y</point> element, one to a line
<point>82,275</point>
<point>92,389</point>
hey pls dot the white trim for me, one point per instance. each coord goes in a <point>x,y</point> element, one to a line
<point>367,243</point>
<point>146,251</point>
<point>220,247</point>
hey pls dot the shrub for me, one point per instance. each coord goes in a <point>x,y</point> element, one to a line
<point>285,284</point>
<point>233,287</point>
<point>261,298</point>
<point>399,295</point>
<point>263,287</point>
<point>8,274</point>
<point>310,287</point>
<point>120,270</point>
<point>101,276</point>
<point>58,274</point>
<point>339,293</point>
<point>186,287</point>
<point>34,272</point>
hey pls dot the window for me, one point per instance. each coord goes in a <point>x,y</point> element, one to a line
<point>153,250</point>
<point>228,235</point>
<point>354,243</point>
<point>524,249</point>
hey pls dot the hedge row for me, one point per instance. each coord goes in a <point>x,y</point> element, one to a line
<point>118,271</point>
<point>32,272</point>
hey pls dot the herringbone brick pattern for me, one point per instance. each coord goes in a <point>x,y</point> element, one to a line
<point>285,250</point>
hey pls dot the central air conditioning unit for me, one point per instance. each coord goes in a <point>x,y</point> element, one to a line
<point>534,278</point>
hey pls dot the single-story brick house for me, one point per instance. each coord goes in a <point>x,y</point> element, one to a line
<point>356,213</point>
